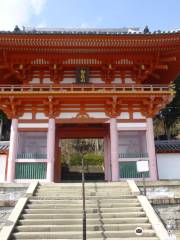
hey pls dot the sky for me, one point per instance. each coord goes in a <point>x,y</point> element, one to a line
<point>157,14</point>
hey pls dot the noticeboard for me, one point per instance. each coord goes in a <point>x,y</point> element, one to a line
<point>142,166</point>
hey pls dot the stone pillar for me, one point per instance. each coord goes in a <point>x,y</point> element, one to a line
<point>114,149</point>
<point>12,150</point>
<point>109,157</point>
<point>106,159</point>
<point>151,149</point>
<point>50,150</point>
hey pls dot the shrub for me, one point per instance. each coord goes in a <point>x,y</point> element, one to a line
<point>89,159</point>
<point>75,159</point>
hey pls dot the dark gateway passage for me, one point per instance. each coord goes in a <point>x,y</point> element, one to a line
<point>71,161</point>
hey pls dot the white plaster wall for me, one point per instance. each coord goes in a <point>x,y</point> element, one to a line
<point>124,115</point>
<point>33,125</point>
<point>131,125</point>
<point>47,81</point>
<point>168,165</point>
<point>138,115</point>
<point>73,80</point>
<point>129,80</point>
<point>96,80</point>
<point>67,115</point>
<point>40,116</point>
<point>35,80</point>
<point>97,115</point>
<point>26,115</point>
<point>68,80</point>
<point>117,80</point>
<point>2,167</point>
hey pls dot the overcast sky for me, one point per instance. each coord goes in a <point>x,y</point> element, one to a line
<point>157,14</point>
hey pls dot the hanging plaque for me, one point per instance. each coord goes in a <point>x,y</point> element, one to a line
<point>82,75</point>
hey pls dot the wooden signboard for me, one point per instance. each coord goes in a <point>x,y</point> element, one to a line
<point>82,75</point>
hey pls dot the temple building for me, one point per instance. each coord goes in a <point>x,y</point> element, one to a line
<point>65,84</point>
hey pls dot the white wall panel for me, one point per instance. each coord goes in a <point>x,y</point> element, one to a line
<point>33,125</point>
<point>129,80</point>
<point>97,115</point>
<point>124,115</point>
<point>35,80</point>
<point>47,81</point>
<point>138,115</point>
<point>26,116</point>
<point>67,115</point>
<point>68,80</point>
<point>168,165</point>
<point>117,80</point>
<point>132,125</point>
<point>41,116</point>
<point>96,80</point>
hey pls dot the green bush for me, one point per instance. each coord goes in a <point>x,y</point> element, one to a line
<point>89,159</point>
<point>93,159</point>
<point>75,159</point>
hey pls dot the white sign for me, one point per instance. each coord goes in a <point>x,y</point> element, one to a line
<point>142,166</point>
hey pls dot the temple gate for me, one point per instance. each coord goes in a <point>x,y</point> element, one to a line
<point>115,80</point>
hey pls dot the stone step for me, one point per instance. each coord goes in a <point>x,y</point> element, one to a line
<point>88,199</point>
<point>55,212</point>
<point>94,189</point>
<point>78,211</point>
<point>76,234</point>
<point>93,196</point>
<point>134,220</point>
<point>79,216</point>
<point>77,204</point>
<point>88,184</point>
<point>92,193</point>
<point>65,228</point>
<point>56,205</point>
<point>87,189</point>
<point>127,238</point>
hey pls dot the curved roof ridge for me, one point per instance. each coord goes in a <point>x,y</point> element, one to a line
<point>87,31</point>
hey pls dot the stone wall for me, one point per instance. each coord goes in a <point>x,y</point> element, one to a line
<point>165,199</point>
<point>9,195</point>
<point>170,214</point>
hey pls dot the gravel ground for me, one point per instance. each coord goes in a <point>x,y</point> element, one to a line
<point>4,214</point>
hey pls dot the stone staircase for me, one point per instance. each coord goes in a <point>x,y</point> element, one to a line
<point>55,212</point>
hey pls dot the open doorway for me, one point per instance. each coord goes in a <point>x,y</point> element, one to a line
<point>71,162</point>
<point>67,159</point>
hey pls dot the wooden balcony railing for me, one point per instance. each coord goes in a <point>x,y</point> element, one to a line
<point>31,155</point>
<point>80,88</point>
<point>133,155</point>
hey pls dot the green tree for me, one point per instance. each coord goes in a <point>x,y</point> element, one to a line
<point>171,113</point>
<point>5,125</point>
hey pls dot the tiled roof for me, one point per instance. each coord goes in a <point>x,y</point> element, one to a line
<point>164,146</point>
<point>168,146</point>
<point>4,146</point>
<point>85,31</point>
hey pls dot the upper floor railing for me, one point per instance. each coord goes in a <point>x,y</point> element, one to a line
<point>133,155</point>
<point>85,88</point>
